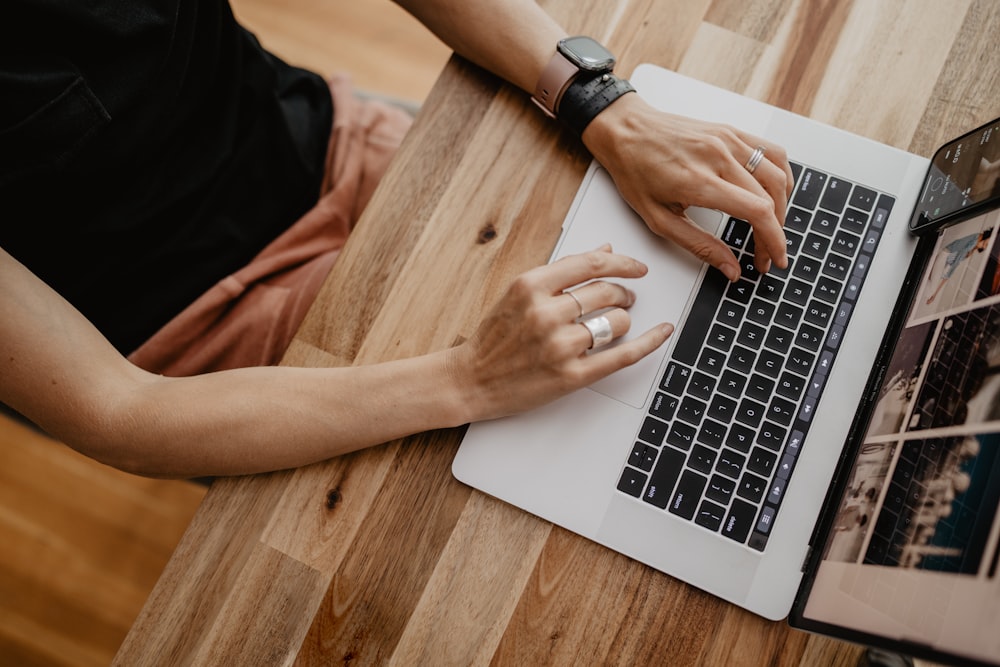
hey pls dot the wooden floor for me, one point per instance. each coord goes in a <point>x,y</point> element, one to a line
<point>81,545</point>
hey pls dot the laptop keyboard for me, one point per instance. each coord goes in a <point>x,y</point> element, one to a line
<point>725,427</point>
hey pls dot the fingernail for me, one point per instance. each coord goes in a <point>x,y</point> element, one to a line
<point>667,329</point>
<point>731,272</point>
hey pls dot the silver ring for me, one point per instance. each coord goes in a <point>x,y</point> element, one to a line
<point>755,159</point>
<point>600,330</point>
<point>577,299</point>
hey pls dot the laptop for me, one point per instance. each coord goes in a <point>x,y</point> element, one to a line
<point>721,458</point>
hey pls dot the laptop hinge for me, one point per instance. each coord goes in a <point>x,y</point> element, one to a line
<point>805,561</point>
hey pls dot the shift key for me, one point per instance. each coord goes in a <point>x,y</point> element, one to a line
<point>665,474</point>
<point>699,319</point>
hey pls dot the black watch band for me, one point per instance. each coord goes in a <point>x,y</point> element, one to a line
<point>588,96</point>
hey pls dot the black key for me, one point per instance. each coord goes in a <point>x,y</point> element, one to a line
<point>740,520</point>
<point>722,409</point>
<point>797,220</point>
<point>761,312</point>
<point>765,519</point>
<point>762,461</point>
<point>760,388</point>
<point>769,363</point>
<point>779,339</point>
<point>771,436</point>
<point>665,474</point>
<point>793,242</point>
<point>748,270</point>
<point>810,337</point>
<point>675,379</point>
<point>692,410</point>
<point>806,269</point>
<point>701,386</point>
<point>751,487</point>
<point>770,287</point>
<point>688,494</point>
<point>854,221</point>
<point>751,335</point>
<point>797,292</point>
<point>721,338</point>
<point>720,489</point>
<point>632,481</point>
<point>819,313</point>
<point>643,456</point>
<point>736,233</point>
<point>710,515</point>
<point>824,223</point>
<point>740,291</point>
<point>712,433</point>
<point>846,243</point>
<point>827,289</point>
<point>863,198</point>
<point>741,359</point>
<point>740,437</point>
<point>835,196</point>
<point>836,267</point>
<point>796,171</point>
<point>801,361</point>
<point>653,431</point>
<point>732,384</point>
<point>808,191</point>
<point>788,315</point>
<point>731,314</point>
<point>681,435</point>
<point>750,412</point>
<point>696,326</point>
<point>701,459</point>
<point>664,406</point>
<point>730,463</point>
<point>711,361</point>
<point>791,386</point>
<point>815,246</point>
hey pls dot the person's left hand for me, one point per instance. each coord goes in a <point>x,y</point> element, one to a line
<point>663,163</point>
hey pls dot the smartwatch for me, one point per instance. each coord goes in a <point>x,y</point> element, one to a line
<point>573,57</point>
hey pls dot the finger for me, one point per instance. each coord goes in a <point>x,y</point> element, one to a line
<point>686,233</point>
<point>575,269</point>
<point>746,199</point>
<point>601,364</point>
<point>597,295</point>
<point>616,317</point>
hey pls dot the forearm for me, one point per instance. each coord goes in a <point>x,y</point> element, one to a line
<point>513,39</point>
<point>58,370</point>
<point>258,419</point>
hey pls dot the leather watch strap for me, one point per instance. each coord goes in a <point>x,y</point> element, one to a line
<point>588,96</point>
<point>556,76</point>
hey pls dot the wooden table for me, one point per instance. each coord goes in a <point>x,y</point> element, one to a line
<point>382,556</point>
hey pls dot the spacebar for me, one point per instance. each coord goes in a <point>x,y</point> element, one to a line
<point>695,329</point>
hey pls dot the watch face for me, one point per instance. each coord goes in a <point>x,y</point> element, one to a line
<point>587,54</point>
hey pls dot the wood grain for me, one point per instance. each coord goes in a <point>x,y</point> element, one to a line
<point>389,559</point>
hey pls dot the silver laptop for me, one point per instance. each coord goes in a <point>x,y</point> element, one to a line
<point>712,459</point>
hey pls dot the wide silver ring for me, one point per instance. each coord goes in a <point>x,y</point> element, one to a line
<point>577,299</point>
<point>600,330</point>
<point>755,159</point>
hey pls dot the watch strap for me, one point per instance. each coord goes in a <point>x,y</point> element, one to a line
<point>589,95</point>
<point>552,83</point>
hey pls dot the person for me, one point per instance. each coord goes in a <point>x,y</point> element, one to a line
<point>163,174</point>
<point>957,252</point>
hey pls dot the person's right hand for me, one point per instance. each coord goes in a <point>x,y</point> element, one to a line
<point>531,348</point>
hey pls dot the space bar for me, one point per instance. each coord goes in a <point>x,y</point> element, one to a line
<point>695,329</point>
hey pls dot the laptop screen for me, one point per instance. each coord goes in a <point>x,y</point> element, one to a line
<point>908,554</point>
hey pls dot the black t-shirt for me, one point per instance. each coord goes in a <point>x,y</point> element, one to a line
<point>148,148</point>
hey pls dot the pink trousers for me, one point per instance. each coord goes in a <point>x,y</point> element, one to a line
<point>249,317</point>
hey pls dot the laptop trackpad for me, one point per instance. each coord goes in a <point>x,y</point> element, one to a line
<point>600,216</point>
